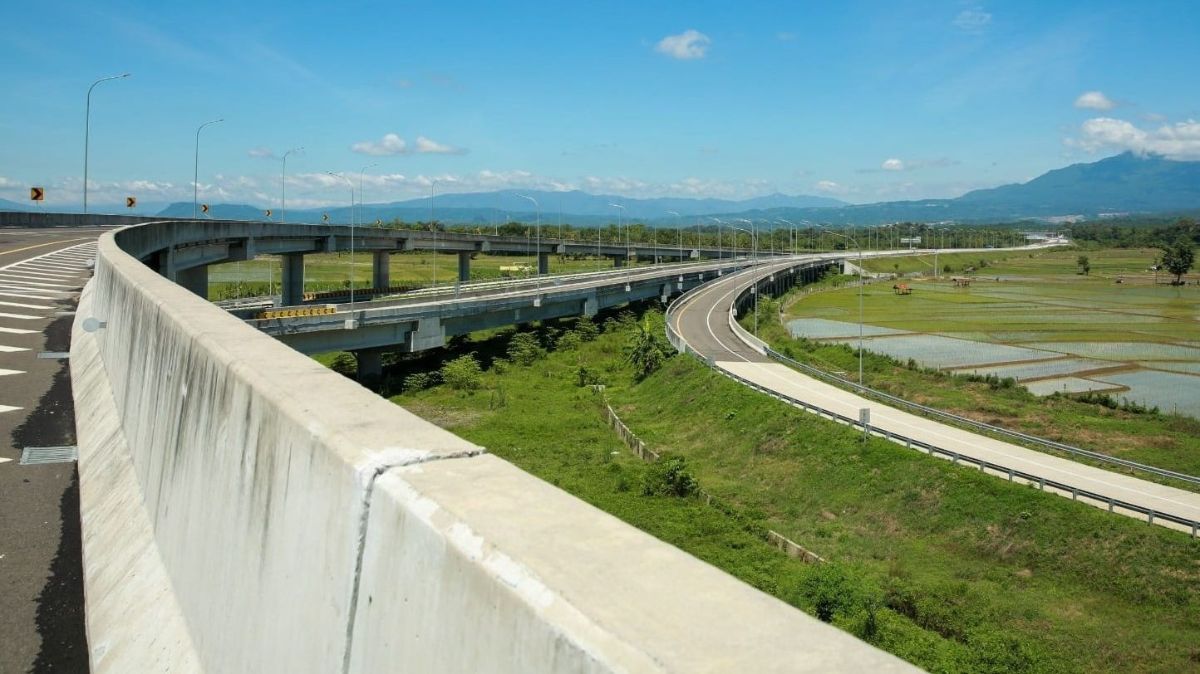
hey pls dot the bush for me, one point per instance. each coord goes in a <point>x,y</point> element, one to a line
<point>345,364</point>
<point>419,381</point>
<point>646,350</point>
<point>463,373</point>
<point>569,341</point>
<point>587,329</point>
<point>669,476</point>
<point>829,589</point>
<point>524,349</point>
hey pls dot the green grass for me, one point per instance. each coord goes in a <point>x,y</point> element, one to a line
<point>970,573</point>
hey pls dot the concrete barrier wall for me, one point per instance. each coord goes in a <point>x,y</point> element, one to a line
<point>298,522</point>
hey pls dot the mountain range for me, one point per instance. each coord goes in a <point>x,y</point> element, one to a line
<point>1125,183</point>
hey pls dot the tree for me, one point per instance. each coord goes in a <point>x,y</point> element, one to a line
<point>647,350</point>
<point>1178,259</point>
<point>1085,265</point>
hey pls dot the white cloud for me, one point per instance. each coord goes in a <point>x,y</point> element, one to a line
<point>1154,117</point>
<point>830,187</point>
<point>1175,141</point>
<point>426,146</point>
<point>690,44</point>
<point>892,164</point>
<point>5,183</point>
<point>972,20</point>
<point>1094,100</point>
<point>260,152</point>
<point>388,145</point>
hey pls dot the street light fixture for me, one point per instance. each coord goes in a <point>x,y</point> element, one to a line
<point>283,185</point>
<point>754,249</point>
<point>679,230</point>
<point>538,256</point>
<point>360,187</point>
<point>619,218</point>
<point>860,300</point>
<point>351,186</point>
<point>87,132</point>
<point>196,169</point>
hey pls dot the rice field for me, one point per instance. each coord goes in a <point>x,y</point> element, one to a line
<point>1031,317</point>
<point>1045,387</point>
<point>946,352</point>
<point>1038,370</point>
<point>1169,391</point>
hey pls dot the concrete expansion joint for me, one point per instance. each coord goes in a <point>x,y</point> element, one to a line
<point>368,474</point>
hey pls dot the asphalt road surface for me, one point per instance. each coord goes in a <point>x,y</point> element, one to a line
<point>703,321</point>
<point>41,583</point>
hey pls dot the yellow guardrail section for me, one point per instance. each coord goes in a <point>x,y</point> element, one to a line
<point>297,313</point>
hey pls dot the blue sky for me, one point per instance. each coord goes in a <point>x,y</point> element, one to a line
<point>864,101</point>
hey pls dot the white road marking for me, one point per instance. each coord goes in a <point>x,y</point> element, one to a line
<point>6,278</point>
<point>25,295</point>
<point>7,372</point>
<point>7,408</point>
<point>3,460</point>
<point>22,317</point>
<point>34,274</point>
<point>25,306</point>
<point>11,349</point>
<point>17,331</point>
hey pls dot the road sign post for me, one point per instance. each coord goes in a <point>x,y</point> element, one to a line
<point>130,202</point>
<point>37,194</point>
<point>864,418</point>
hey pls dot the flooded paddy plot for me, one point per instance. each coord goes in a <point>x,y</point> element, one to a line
<point>947,352</point>
<point>1123,351</point>
<point>1039,370</point>
<point>1045,387</point>
<point>1169,391</point>
<point>821,328</point>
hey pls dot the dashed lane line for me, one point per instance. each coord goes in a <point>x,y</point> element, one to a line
<point>23,305</point>
<point>40,245</point>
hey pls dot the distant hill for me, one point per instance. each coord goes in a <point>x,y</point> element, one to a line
<point>6,205</point>
<point>1126,183</point>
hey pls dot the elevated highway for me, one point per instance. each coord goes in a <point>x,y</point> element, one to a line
<point>245,509</point>
<point>703,323</point>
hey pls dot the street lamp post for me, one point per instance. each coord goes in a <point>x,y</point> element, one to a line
<point>679,230</point>
<point>196,169</point>
<point>283,185</point>
<point>538,256</point>
<point>754,252</point>
<point>860,301</point>
<point>620,215</point>
<point>433,226</point>
<point>360,187</point>
<point>351,186</point>
<point>87,132</point>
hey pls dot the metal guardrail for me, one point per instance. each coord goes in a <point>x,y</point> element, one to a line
<point>678,341</point>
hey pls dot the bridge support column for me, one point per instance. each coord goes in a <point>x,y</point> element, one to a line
<point>464,267</point>
<point>370,365</point>
<point>381,271</point>
<point>618,261</point>
<point>543,263</point>
<point>292,279</point>
<point>591,305</point>
<point>194,279</point>
<point>430,334</point>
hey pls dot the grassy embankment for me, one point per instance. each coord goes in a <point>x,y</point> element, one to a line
<point>953,570</point>
<point>331,271</point>
<point>1052,304</point>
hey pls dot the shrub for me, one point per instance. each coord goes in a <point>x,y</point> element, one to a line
<point>829,589</point>
<point>587,329</point>
<point>646,350</point>
<point>569,341</point>
<point>463,373</point>
<point>524,349</point>
<point>419,381</point>
<point>345,364</point>
<point>669,476</point>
